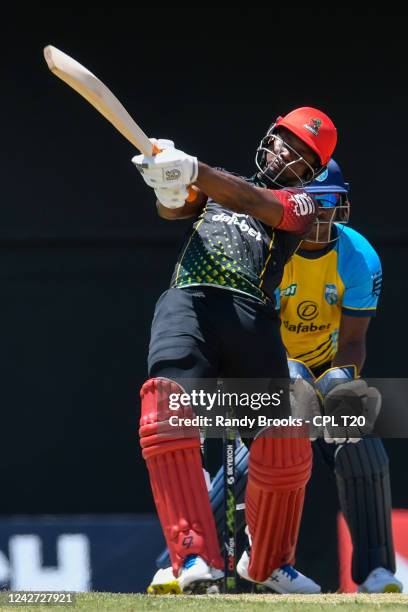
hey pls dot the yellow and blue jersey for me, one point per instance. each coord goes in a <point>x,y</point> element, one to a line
<point>315,292</point>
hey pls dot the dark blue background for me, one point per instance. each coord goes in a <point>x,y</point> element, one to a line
<point>83,256</point>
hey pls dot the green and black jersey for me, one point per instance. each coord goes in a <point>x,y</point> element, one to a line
<point>235,252</point>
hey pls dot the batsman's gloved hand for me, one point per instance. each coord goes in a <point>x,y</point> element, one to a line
<point>172,198</point>
<point>304,401</point>
<point>170,169</point>
<point>162,143</point>
<point>352,405</point>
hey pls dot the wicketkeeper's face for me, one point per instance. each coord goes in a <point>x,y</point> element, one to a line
<point>332,207</point>
<point>321,230</point>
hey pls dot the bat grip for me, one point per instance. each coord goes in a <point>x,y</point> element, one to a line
<point>156,149</point>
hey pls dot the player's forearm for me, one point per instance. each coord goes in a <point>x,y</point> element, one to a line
<point>353,352</point>
<point>172,214</point>
<point>239,196</point>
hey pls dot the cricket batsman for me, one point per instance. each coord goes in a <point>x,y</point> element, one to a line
<point>210,323</point>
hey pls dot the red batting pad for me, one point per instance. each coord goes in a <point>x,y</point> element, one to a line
<point>278,472</point>
<point>176,477</point>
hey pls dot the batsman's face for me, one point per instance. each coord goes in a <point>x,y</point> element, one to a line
<point>286,149</point>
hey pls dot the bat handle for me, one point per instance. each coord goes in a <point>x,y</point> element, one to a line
<point>156,149</point>
<point>192,194</point>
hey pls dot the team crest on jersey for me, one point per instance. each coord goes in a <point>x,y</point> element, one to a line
<point>331,294</point>
<point>313,126</point>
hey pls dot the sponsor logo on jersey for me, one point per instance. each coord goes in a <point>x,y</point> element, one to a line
<point>331,294</point>
<point>307,310</point>
<point>235,219</point>
<point>377,283</point>
<point>313,126</point>
<point>290,290</point>
<point>304,204</point>
<point>303,328</point>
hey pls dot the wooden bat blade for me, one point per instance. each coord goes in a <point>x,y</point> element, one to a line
<point>96,93</point>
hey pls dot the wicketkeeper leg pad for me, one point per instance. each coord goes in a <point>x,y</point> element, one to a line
<point>363,482</point>
<point>173,459</point>
<point>279,469</point>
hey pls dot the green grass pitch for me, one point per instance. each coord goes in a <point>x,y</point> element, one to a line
<point>389,602</point>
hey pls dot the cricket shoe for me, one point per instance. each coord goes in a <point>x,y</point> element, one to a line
<point>164,583</point>
<point>380,580</point>
<point>285,579</point>
<point>195,577</point>
<point>198,578</point>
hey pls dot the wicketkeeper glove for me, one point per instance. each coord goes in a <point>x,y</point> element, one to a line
<point>352,405</point>
<point>304,401</point>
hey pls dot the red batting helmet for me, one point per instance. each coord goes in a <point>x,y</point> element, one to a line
<point>312,127</point>
<point>315,128</point>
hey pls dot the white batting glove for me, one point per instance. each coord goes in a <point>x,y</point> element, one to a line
<point>162,143</point>
<point>172,198</point>
<point>171,168</point>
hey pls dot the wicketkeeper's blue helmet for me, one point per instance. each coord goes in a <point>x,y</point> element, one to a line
<point>329,181</point>
<point>330,192</point>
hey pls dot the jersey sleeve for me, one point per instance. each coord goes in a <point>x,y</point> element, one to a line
<point>360,269</point>
<point>277,298</point>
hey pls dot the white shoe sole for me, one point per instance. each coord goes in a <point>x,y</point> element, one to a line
<point>387,588</point>
<point>243,573</point>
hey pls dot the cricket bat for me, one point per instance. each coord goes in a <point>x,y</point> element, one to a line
<point>92,89</point>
